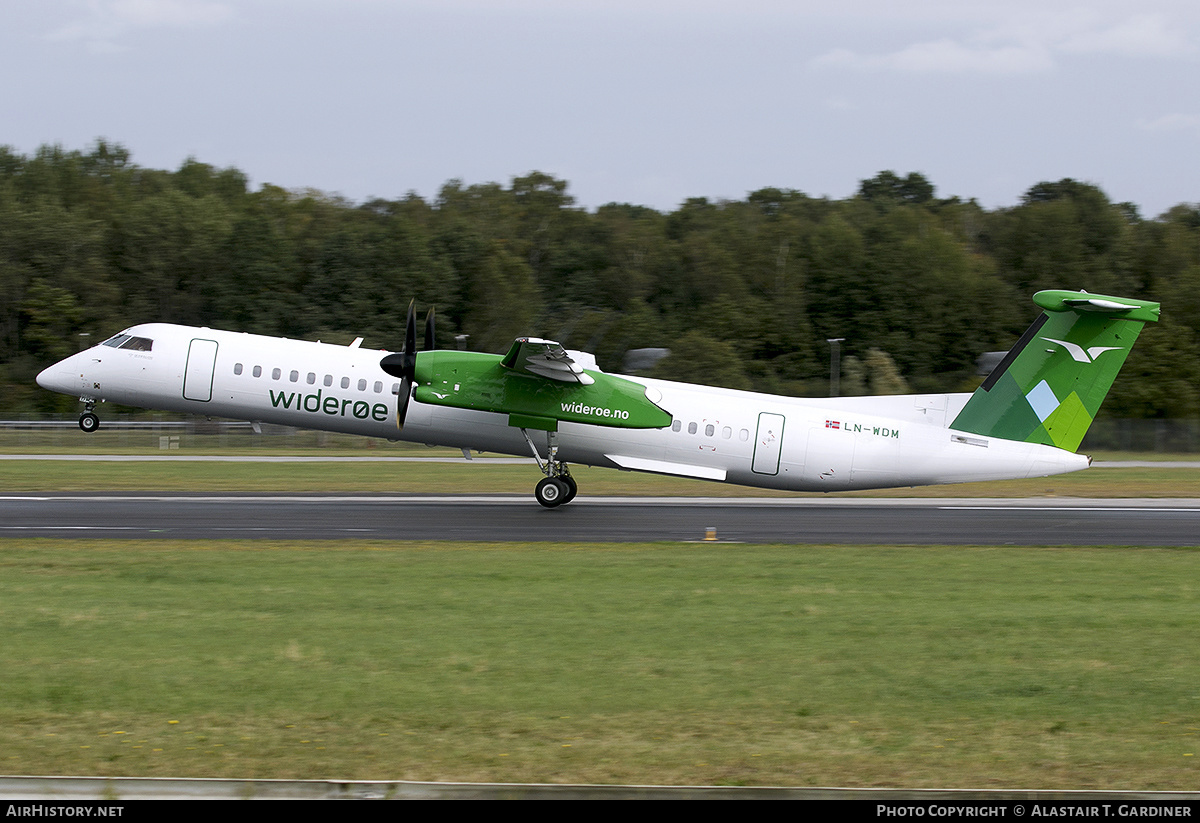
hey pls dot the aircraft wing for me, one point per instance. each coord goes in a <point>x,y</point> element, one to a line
<point>545,358</point>
<point>642,464</point>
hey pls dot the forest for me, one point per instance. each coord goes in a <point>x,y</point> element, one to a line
<point>744,293</point>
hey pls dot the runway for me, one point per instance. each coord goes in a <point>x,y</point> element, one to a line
<point>984,522</point>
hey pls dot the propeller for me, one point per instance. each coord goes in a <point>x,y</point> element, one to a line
<point>430,338</point>
<point>403,364</point>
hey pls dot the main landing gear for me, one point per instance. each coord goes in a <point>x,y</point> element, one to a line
<point>558,486</point>
<point>88,421</point>
<point>555,491</point>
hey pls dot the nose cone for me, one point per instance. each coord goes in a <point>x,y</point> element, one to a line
<point>47,379</point>
<point>62,377</point>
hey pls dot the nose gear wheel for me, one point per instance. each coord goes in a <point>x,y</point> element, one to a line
<point>88,420</point>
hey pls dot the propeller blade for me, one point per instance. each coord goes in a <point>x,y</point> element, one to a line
<point>410,339</point>
<point>410,364</point>
<point>430,336</point>
<point>402,402</point>
<point>403,364</point>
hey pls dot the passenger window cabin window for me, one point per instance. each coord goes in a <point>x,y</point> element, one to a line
<point>362,385</point>
<point>345,382</point>
<point>237,368</point>
<point>329,380</point>
<point>258,371</point>
<point>311,378</point>
<point>378,386</point>
<point>677,425</point>
<point>744,434</point>
<point>691,428</point>
<point>726,433</point>
<point>294,376</point>
<point>276,374</point>
<point>396,388</point>
<point>708,430</point>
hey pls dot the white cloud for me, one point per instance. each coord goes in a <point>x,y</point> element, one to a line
<point>945,56</point>
<point>1147,35</point>
<point>1171,122</point>
<point>106,21</point>
<point>176,13</point>
<point>1024,43</point>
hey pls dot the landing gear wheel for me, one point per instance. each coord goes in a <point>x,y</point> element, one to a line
<point>89,422</point>
<point>558,487</point>
<point>551,492</point>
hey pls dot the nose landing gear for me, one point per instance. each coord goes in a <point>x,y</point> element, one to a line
<point>88,421</point>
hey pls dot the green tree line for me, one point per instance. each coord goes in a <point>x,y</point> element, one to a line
<point>745,293</point>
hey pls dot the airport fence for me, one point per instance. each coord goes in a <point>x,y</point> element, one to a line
<point>142,433</point>
<point>165,433</point>
<point>1161,436</point>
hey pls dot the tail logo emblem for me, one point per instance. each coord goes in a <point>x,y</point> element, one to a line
<point>1077,352</point>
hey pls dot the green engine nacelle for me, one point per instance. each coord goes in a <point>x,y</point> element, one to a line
<point>470,380</point>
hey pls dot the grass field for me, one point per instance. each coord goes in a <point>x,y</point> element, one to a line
<point>688,664</point>
<point>662,663</point>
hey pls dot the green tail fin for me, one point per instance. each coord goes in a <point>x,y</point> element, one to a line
<point>1048,388</point>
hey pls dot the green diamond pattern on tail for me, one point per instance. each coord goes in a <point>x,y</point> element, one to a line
<point>1050,386</point>
<point>1067,424</point>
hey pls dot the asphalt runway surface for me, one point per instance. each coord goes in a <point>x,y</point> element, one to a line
<point>990,522</point>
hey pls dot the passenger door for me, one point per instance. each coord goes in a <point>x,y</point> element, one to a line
<point>768,442</point>
<point>198,375</point>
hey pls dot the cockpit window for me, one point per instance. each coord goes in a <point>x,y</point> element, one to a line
<point>128,341</point>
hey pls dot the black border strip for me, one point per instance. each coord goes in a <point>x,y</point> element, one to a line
<point>1015,352</point>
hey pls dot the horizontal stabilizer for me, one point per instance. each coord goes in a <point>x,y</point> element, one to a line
<point>1127,309</point>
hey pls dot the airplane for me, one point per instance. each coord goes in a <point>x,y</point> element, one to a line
<point>1026,420</point>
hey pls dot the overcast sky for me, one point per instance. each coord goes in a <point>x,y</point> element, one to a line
<point>639,101</point>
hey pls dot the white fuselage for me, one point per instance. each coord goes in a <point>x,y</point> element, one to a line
<point>718,434</point>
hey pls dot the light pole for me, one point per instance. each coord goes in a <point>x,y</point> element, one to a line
<point>835,364</point>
